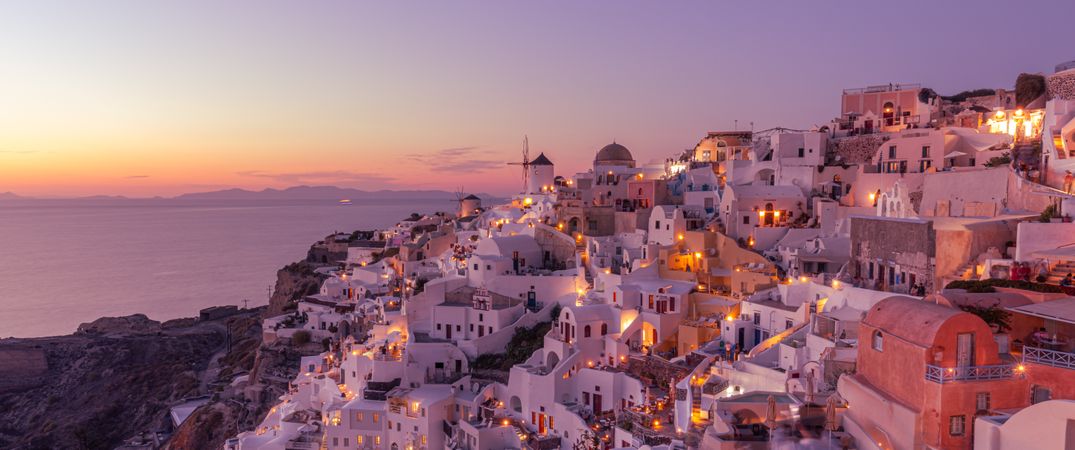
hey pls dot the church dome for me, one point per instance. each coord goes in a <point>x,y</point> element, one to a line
<point>613,153</point>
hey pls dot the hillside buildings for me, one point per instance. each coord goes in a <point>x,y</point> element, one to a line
<point>898,278</point>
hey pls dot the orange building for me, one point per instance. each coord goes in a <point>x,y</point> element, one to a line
<point>925,371</point>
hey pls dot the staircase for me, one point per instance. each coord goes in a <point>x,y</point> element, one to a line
<point>1059,271</point>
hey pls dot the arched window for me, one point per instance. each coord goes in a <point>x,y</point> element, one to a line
<point>586,331</point>
<point>604,329</point>
<point>878,341</point>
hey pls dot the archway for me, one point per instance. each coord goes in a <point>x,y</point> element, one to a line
<point>551,360</point>
<point>516,404</point>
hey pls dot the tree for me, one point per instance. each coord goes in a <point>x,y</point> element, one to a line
<point>1028,87</point>
<point>993,315</point>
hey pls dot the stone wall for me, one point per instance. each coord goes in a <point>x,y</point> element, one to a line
<point>1061,85</point>
<point>909,245</point>
<point>857,149</point>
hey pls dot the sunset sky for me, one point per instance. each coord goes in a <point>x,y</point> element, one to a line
<point>159,98</point>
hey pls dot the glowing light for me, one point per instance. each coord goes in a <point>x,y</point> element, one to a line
<point>836,284</point>
<point>776,214</point>
<point>680,236</point>
<point>873,196</point>
<point>761,214</point>
<point>729,318</point>
<point>803,279</point>
<point>505,422</point>
<point>639,176</point>
<point>589,363</point>
<point>528,201</point>
<point>1020,368</point>
<point>697,254</point>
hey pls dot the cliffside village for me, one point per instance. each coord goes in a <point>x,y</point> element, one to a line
<point>898,278</point>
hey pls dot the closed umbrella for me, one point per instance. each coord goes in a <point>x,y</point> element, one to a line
<point>830,417</point>
<point>770,415</point>
<point>810,386</point>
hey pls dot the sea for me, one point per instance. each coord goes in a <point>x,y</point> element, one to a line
<point>63,263</point>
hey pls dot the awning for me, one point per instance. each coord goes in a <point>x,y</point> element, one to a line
<point>955,154</point>
<point>1062,310</point>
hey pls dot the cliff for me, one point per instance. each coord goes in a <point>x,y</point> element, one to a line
<point>294,281</point>
<point>114,378</point>
<point>270,367</point>
<point>117,377</point>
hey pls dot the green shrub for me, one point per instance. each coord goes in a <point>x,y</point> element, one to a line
<point>301,337</point>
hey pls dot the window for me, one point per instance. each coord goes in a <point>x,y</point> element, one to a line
<point>956,425</point>
<point>658,223</point>
<point>376,417</point>
<point>877,342</point>
<point>481,317</point>
<point>746,220</point>
<point>359,440</point>
<point>359,416</point>
<point>757,318</point>
<point>925,151</point>
<point>802,152</point>
<point>787,324</point>
<point>981,401</point>
<point>438,327</point>
<point>604,329</point>
<point>586,331</point>
<point>476,266</point>
<point>924,165</point>
<point>891,151</point>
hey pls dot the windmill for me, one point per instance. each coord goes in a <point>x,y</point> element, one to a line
<point>525,163</point>
<point>459,196</point>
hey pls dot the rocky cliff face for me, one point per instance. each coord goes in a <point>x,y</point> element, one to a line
<point>293,282</point>
<point>117,377</point>
<point>270,369</point>
<point>113,379</point>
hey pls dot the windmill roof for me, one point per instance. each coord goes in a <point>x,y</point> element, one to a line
<point>541,160</point>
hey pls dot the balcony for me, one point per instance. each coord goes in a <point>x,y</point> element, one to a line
<point>1054,358</point>
<point>938,374</point>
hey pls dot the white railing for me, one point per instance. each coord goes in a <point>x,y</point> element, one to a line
<point>1048,357</point>
<point>938,374</point>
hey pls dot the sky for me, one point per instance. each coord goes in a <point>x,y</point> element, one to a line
<point>160,98</point>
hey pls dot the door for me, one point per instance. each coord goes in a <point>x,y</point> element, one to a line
<point>597,404</point>
<point>541,423</point>
<point>449,332</point>
<point>740,338</point>
<point>965,349</point>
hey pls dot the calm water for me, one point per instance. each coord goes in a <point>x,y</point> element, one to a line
<point>63,264</point>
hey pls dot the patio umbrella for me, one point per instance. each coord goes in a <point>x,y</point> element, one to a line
<point>770,415</point>
<point>830,417</point>
<point>810,386</point>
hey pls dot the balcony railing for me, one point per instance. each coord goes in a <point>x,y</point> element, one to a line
<point>938,374</point>
<point>1048,357</point>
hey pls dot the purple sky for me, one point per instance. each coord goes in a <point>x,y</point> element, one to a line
<point>370,94</point>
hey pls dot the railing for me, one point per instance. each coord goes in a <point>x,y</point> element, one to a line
<point>938,374</point>
<point>1048,357</point>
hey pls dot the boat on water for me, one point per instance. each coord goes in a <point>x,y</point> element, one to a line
<point>345,201</point>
